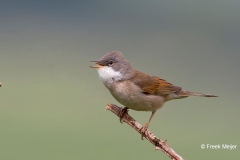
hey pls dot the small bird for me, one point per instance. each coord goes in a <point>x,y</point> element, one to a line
<point>137,90</point>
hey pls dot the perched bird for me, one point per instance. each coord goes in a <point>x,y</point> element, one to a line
<point>137,90</point>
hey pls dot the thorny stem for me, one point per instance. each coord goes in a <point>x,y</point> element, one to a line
<point>159,144</point>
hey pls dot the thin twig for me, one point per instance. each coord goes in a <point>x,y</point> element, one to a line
<point>0,84</point>
<point>159,144</point>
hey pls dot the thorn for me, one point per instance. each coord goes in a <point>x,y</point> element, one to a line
<point>108,107</point>
<point>157,148</point>
<point>164,142</point>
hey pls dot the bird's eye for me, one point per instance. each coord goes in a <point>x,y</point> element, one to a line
<point>110,62</point>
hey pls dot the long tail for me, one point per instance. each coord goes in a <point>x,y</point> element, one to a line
<point>187,93</point>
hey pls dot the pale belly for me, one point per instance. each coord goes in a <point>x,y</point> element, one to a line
<point>131,96</point>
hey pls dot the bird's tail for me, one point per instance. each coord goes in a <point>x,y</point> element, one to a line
<point>188,93</point>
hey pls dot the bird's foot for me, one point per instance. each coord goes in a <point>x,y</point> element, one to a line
<point>143,130</point>
<point>122,113</point>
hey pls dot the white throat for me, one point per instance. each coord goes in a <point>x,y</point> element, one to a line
<point>109,75</point>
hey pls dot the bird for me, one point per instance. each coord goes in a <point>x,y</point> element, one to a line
<point>137,90</point>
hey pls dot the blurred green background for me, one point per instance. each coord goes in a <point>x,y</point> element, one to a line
<point>52,104</point>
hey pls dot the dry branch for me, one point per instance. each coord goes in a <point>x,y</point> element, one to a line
<point>159,144</point>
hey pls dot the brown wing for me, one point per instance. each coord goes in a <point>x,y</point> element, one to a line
<point>154,85</point>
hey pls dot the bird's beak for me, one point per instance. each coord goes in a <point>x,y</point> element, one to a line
<point>99,64</point>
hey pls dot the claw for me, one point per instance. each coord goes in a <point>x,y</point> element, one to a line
<point>122,113</point>
<point>143,130</point>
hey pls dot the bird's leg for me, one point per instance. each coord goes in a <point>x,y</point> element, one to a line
<point>122,113</point>
<point>145,127</point>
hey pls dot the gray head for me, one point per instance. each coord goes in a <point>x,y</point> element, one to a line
<point>113,66</point>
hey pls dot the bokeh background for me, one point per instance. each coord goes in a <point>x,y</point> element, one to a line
<point>52,105</point>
